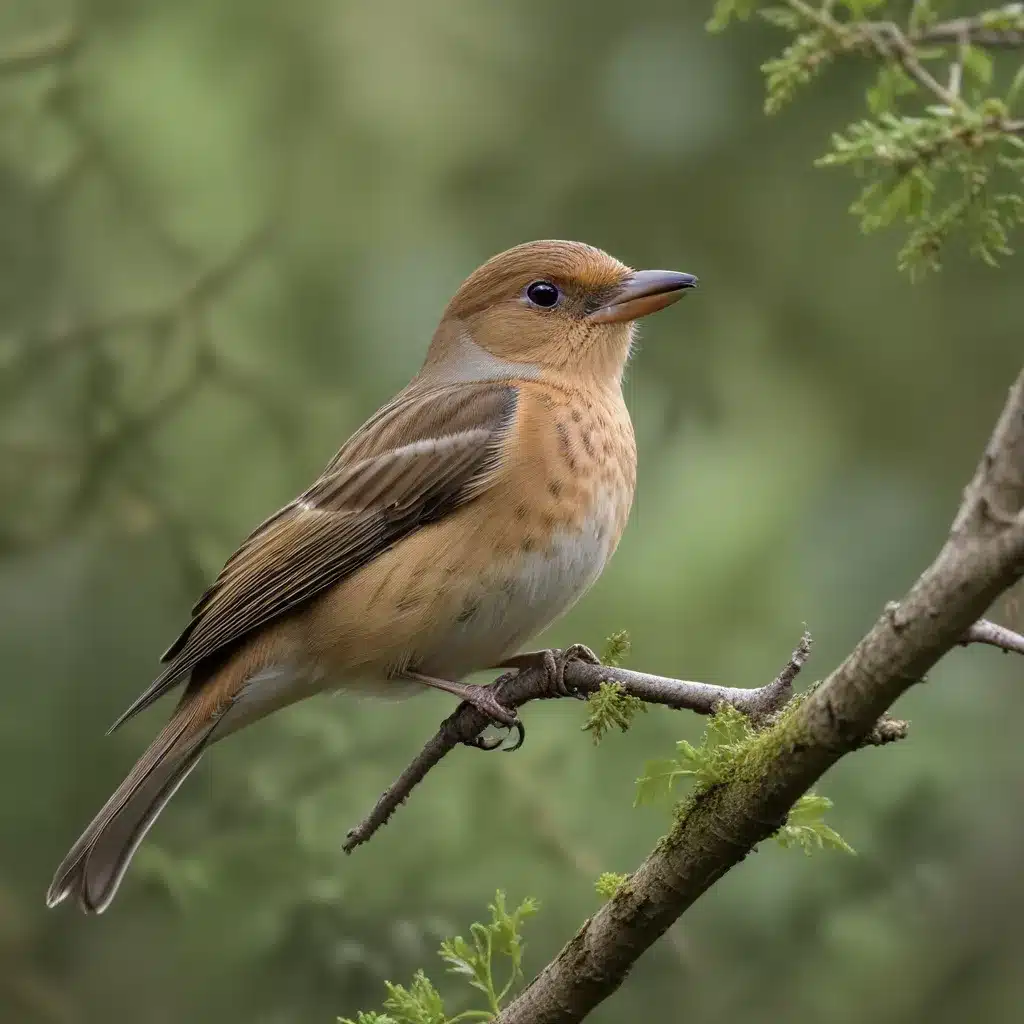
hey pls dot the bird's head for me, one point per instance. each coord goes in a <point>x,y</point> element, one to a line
<point>549,305</point>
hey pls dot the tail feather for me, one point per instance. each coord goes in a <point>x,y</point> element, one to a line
<point>95,865</point>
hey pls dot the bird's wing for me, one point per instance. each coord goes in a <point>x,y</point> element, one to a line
<point>418,459</point>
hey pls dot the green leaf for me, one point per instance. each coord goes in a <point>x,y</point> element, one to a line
<point>657,781</point>
<point>891,83</point>
<point>978,64</point>
<point>921,14</point>
<point>419,1004</point>
<point>609,883</point>
<point>860,9</point>
<point>799,63</point>
<point>726,740</point>
<point>806,829</point>
<point>616,649</point>
<point>1016,86</point>
<point>505,927</point>
<point>726,10</point>
<point>611,707</point>
<point>1009,18</point>
<point>781,17</point>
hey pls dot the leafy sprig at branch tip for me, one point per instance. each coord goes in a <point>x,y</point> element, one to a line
<point>942,151</point>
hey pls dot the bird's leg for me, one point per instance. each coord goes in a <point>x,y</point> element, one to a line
<point>483,699</point>
<point>553,663</point>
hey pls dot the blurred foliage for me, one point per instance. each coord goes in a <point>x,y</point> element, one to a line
<point>227,229</point>
<point>944,148</point>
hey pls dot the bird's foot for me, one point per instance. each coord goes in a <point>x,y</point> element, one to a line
<point>552,664</point>
<point>483,743</point>
<point>484,700</point>
<point>556,662</point>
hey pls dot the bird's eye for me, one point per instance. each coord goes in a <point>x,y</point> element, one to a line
<point>543,294</point>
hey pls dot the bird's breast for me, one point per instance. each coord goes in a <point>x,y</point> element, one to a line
<point>462,594</point>
<point>549,529</point>
<point>518,596</point>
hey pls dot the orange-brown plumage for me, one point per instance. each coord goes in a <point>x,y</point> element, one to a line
<point>455,524</point>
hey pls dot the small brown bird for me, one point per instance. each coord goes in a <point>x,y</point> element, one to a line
<point>455,524</point>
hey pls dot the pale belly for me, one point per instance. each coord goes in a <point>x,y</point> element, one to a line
<point>504,612</point>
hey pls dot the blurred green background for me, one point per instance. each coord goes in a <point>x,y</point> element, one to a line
<point>227,230</point>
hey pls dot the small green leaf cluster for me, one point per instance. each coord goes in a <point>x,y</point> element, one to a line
<point>942,159</point>
<point>944,172</point>
<point>611,707</point>
<point>609,883</point>
<point>472,959</point>
<point>616,649</point>
<point>725,742</point>
<point>731,746</point>
<point>805,827</point>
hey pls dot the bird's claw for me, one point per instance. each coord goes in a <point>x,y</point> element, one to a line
<point>480,743</point>
<point>484,700</point>
<point>556,661</point>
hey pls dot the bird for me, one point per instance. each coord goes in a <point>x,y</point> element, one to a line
<point>454,525</point>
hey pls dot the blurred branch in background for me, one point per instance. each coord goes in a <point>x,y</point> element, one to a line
<point>112,381</point>
<point>119,425</point>
<point>40,52</point>
<point>944,148</point>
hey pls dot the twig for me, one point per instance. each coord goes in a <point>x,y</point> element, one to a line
<point>777,693</point>
<point>888,40</point>
<point>40,52</point>
<point>514,690</point>
<point>970,30</point>
<point>985,632</point>
<point>195,295</point>
<point>983,556</point>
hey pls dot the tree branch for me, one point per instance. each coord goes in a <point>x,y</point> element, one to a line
<point>982,557</point>
<point>514,690</point>
<point>889,41</point>
<point>973,31</point>
<point>985,632</point>
<point>40,52</point>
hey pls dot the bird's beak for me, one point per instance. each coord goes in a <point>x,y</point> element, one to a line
<point>643,292</point>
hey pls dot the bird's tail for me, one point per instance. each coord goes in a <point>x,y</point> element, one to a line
<point>95,865</point>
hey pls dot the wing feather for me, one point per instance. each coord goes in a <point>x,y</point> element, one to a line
<point>417,460</point>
